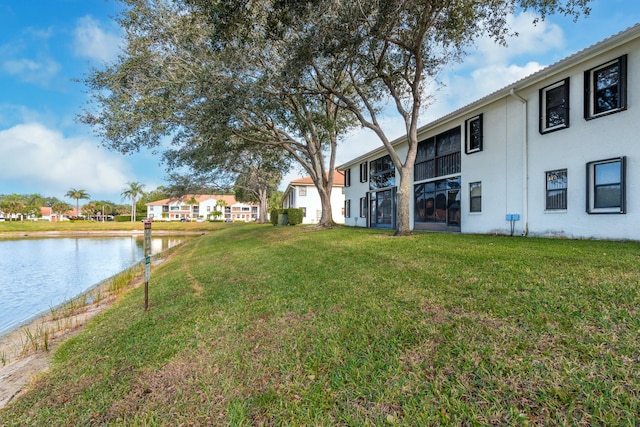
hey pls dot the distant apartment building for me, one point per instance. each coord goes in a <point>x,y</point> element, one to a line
<point>202,207</point>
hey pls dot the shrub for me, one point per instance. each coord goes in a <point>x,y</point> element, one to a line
<point>295,216</point>
<point>274,215</point>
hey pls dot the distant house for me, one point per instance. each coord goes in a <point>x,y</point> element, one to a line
<point>302,193</point>
<point>47,214</point>
<point>202,207</point>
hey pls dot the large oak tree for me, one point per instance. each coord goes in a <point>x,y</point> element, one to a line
<point>389,50</point>
<point>214,91</point>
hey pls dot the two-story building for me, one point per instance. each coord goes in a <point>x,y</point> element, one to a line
<point>202,207</point>
<point>302,193</point>
<point>553,154</point>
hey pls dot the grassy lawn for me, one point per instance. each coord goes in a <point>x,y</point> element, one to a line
<point>261,325</point>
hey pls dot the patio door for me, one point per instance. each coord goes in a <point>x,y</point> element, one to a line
<point>382,208</point>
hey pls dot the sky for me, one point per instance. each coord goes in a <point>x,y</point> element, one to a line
<point>47,45</point>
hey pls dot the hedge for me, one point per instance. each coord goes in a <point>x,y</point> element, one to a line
<point>294,215</point>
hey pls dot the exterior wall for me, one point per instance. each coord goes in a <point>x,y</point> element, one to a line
<point>498,167</point>
<point>155,212</point>
<point>207,207</point>
<point>311,202</point>
<point>354,192</point>
<point>584,141</point>
<point>178,209</point>
<point>515,156</point>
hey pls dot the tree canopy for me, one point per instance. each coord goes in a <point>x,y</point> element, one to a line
<point>216,94</point>
<point>221,78</point>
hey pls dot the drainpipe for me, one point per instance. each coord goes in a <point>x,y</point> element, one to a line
<point>525,162</point>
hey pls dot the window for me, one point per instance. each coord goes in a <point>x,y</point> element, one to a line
<point>347,208</point>
<point>438,201</point>
<point>473,134</point>
<point>382,208</point>
<point>556,190</point>
<point>364,174</point>
<point>304,212</point>
<point>606,186</point>
<point>347,178</point>
<point>554,107</point>
<point>438,156</point>
<point>475,196</point>
<point>302,191</point>
<point>605,89</point>
<point>363,207</point>
<point>382,173</point>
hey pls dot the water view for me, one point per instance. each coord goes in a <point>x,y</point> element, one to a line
<point>39,274</point>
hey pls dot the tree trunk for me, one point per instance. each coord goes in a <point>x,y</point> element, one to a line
<point>326,219</point>
<point>264,204</point>
<point>404,202</point>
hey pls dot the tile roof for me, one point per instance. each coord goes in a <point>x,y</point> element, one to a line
<point>338,180</point>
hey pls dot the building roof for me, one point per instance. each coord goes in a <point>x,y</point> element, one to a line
<point>338,180</point>
<point>585,54</point>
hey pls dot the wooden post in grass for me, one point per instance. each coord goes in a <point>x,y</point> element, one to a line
<point>147,261</point>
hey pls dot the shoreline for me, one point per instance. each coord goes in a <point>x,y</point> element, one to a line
<point>26,349</point>
<point>93,233</point>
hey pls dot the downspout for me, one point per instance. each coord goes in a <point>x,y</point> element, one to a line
<point>525,162</point>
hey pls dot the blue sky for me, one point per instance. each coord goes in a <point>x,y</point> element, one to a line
<point>44,47</point>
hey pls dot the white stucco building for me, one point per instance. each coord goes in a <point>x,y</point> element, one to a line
<point>302,193</point>
<point>553,154</point>
<point>202,206</point>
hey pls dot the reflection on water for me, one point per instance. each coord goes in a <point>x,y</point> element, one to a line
<point>39,274</point>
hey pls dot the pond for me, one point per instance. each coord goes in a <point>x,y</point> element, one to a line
<point>37,275</point>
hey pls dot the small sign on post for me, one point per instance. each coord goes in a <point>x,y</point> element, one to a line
<point>147,262</point>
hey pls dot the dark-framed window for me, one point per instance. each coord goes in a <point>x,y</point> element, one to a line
<point>347,208</point>
<point>382,173</point>
<point>606,192</point>
<point>606,89</point>
<point>438,156</point>
<point>475,196</point>
<point>554,107</point>
<point>363,207</point>
<point>304,212</point>
<point>364,173</point>
<point>347,178</point>
<point>438,201</point>
<point>473,134</point>
<point>556,190</point>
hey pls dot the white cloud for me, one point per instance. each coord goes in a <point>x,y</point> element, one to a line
<point>532,40</point>
<point>53,163</point>
<point>94,42</point>
<point>490,66</point>
<point>32,71</point>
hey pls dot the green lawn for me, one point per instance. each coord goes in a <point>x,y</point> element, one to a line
<point>291,326</point>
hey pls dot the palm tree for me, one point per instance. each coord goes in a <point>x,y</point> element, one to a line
<point>60,208</point>
<point>77,194</point>
<point>220,204</point>
<point>132,191</point>
<point>11,205</point>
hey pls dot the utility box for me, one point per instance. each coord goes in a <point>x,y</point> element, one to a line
<point>283,219</point>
